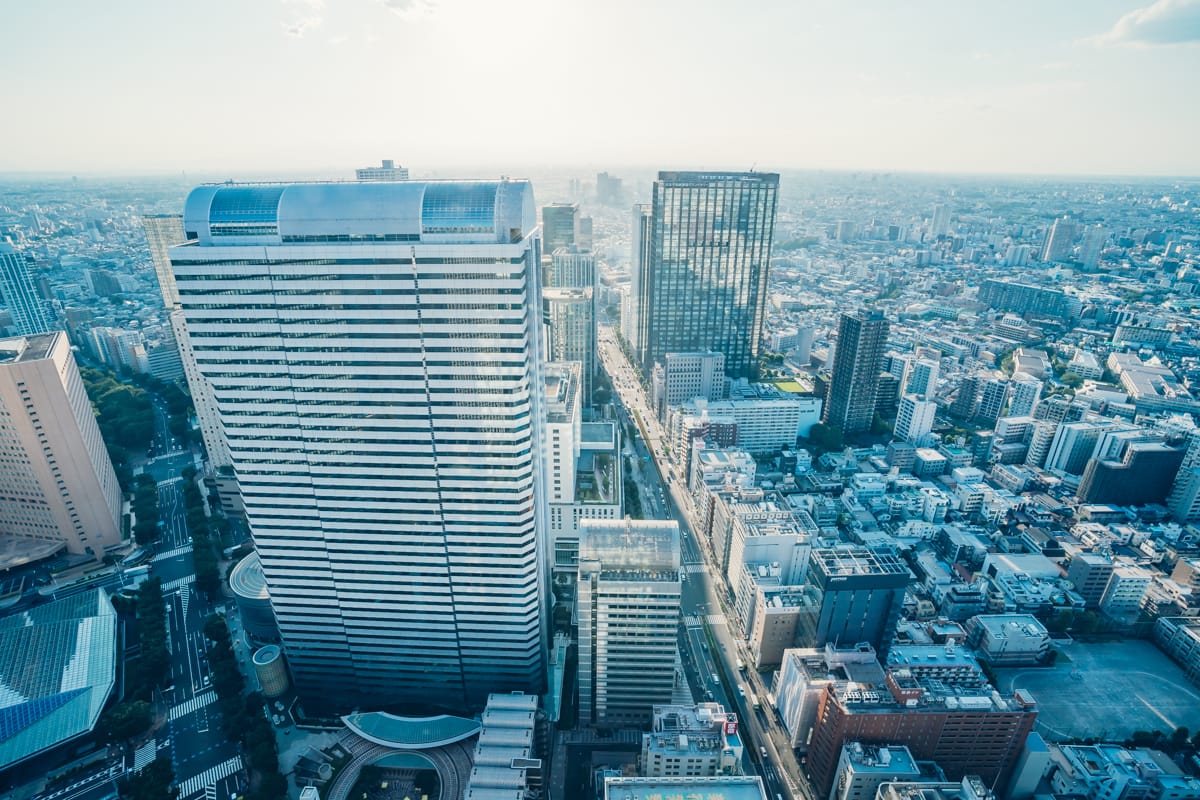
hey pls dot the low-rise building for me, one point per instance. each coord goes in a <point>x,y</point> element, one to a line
<point>1179,638</point>
<point>862,769</point>
<point>1009,639</point>
<point>691,741</point>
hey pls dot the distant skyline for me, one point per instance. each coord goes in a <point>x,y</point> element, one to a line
<point>1089,87</point>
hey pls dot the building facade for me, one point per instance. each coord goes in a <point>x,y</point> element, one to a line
<point>57,485</point>
<point>385,423</point>
<point>701,271</point>
<point>18,295</point>
<point>858,360</point>
<point>628,611</point>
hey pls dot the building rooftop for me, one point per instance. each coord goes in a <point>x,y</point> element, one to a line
<point>720,788</point>
<point>1002,626</point>
<point>57,669</point>
<point>411,733</point>
<point>247,579</point>
<point>19,349</point>
<point>890,760</point>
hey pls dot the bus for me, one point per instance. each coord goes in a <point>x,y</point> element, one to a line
<point>754,701</point>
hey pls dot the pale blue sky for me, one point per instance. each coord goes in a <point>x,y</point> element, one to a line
<point>1028,86</point>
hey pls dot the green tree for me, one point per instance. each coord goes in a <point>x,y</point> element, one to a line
<point>1071,379</point>
<point>152,783</point>
<point>124,721</point>
<point>825,437</point>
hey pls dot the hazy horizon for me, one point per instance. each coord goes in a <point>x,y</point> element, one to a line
<point>1025,88</point>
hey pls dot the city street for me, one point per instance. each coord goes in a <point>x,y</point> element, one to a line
<point>706,610</point>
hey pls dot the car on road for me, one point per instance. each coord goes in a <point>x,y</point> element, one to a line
<point>715,679</point>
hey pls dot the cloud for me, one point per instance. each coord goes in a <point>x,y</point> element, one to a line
<point>409,8</point>
<point>1165,22</point>
<point>311,19</point>
<point>341,38</point>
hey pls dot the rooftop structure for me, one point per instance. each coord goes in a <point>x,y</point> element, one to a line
<point>700,740</point>
<point>721,788</point>
<point>506,765</point>
<point>58,668</point>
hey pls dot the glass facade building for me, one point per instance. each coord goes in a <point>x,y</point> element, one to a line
<point>857,364</point>
<point>18,295</point>
<point>700,267</point>
<point>374,352</point>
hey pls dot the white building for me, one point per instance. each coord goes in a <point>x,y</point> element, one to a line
<point>57,485</point>
<point>162,233</point>
<point>1026,391</point>
<point>692,741</point>
<point>374,351</point>
<point>386,171</point>
<point>1009,639</point>
<point>862,769</point>
<point>687,376</point>
<point>572,334</point>
<point>914,420</point>
<point>764,425</point>
<point>628,611</point>
<point>1126,588</point>
<point>17,293</point>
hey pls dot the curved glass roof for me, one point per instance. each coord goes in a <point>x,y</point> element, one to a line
<point>411,733</point>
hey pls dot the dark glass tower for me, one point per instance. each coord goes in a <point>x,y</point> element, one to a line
<point>701,267</point>
<point>857,363</point>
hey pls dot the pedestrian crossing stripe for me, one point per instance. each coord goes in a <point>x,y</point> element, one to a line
<point>195,785</point>
<point>198,702</point>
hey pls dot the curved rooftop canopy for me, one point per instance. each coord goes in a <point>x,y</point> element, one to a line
<point>411,733</point>
<point>429,212</point>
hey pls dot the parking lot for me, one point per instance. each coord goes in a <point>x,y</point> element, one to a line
<point>1107,690</point>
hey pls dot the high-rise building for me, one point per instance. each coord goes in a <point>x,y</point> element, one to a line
<point>560,226</point>
<point>939,225</point>
<point>1093,243</point>
<point>992,396</point>
<point>701,275</point>
<point>571,314</point>
<point>1090,573</point>
<point>628,610</point>
<point>1023,298</point>
<point>572,268</point>
<point>923,377</point>
<point>164,231</point>
<point>685,376</point>
<point>1026,391</point>
<point>914,419</point>
<point>862,339</point>
<point>384,423</point>
<point>386,171</point>
<point>1060,239</point>
<point>1141,474</point>
<point>57,485</point>
<point>609,191</point>
<point>18,295</point>
<point>860,594</point>
<point>967,400</point>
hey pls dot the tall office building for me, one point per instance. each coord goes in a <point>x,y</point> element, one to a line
<point>1093,244</point>
<point>57,485</point>
<point>1060,239</point>
<point>633,319</point>
<point>627,603</point>
<point>164,231</point>
<point>572,268</point>
<point>560,226</point>
<point>386,171</point>
<point>967,400</point>
<point>18,295</point>
<point>939,225</point>
<point>571,315</point>
<point>702,272</point>
<point>859,595</point>
<point>862,338</point>
<point>374,349</point>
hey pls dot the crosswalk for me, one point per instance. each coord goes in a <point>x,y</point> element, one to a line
<point>144,755</point>
<point>178,551</point>
<point>195,786</point>
<point>185,595</point>
<point>697,621</point>
<point>178,583</point>
<point>692,569</point>
<point>201,700</point>
<point>716,619</point>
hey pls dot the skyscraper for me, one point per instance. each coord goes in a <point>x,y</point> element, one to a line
<point>164,231</point>
<point>571,314</point>
<point>858,359</point>
<point>571,268</point>
<point>560,223</point>
<point>939,225</point>
<point>374,349</point>
<point>18,295</point>
<point>1060,239</point>
<point>57,484</point>
<point>628,607</point>
<point>1093,244</point>
<point>702,268</point>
